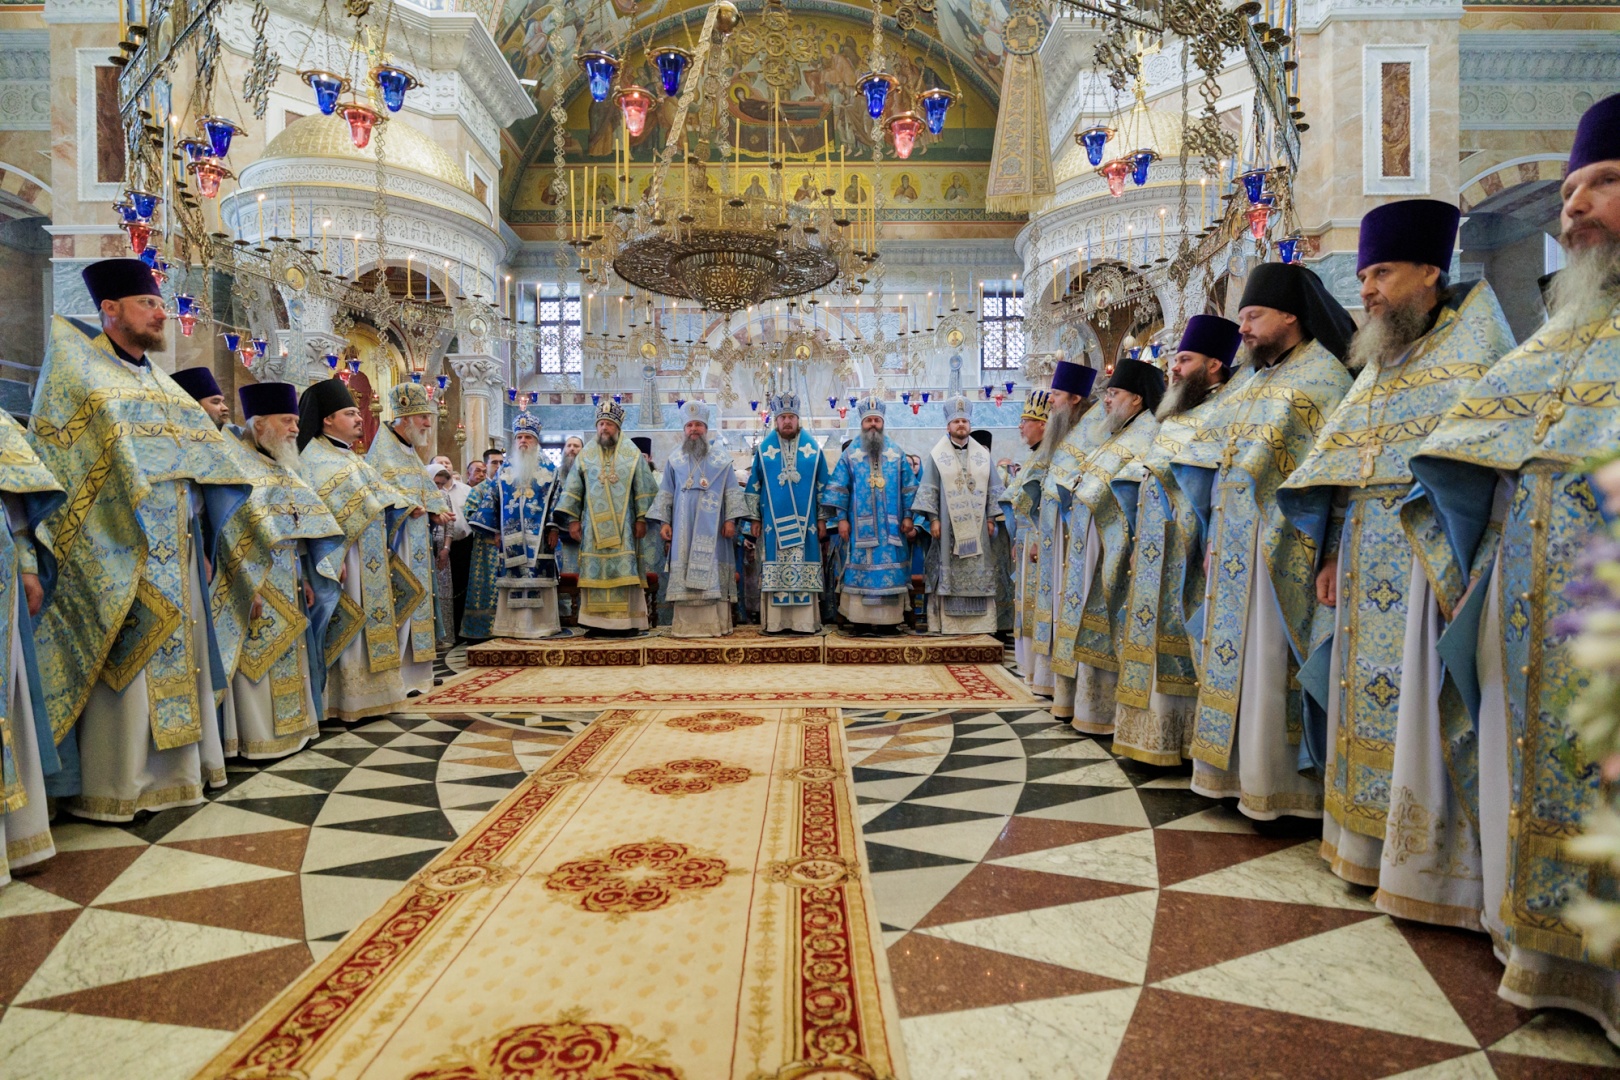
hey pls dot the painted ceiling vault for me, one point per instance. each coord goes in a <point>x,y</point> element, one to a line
<point>815,69</point>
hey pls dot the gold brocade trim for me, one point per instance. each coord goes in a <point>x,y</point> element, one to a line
<point>111,809</point>
<point>1369,821</point>
<point>1100,661</point>
<point>1354,873</point>
<point>1524,406</point>
<point>1593,987</point>
<point>1283,801</point>
<point>400,570</point>
<point>118,675</point>
<point>1415,380</point>
<point>69,431</point>
<point>347,622</point>
<point>1146,757</point>
<point>1267,434</point>
<point>280,746</point>
<point>1405,907</point>
<point>255,663</point>
<point>1383,434</point>
<point>17,850</point>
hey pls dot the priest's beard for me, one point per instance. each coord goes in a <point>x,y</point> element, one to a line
<point>1385,336</point>
<point>417,437</point>
<point>1185,395</point>
<point>1263,355</point>
<point>872,443</point>
<point>523,466</point>
<point>1118,420</point>
<point>1059,425</point>
<point>696,447</point>
<point>565,468</point>
<point>607,440</point>
<point>1587,287</point>
<point>283,451</point>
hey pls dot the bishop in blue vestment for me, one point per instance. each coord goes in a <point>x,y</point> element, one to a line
<point>784,492</point>
<point>517,515</point>
<point>869,500</point>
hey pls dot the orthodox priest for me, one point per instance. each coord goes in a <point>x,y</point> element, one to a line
<point>361,650</point>
<point>869,500</point>
<point>698,505</point>
<point>1019,500</point>
<point>1254,628</point>
<point>959,498</point>
<point>604,509</point>
<point>1390,725</point>
<point>397,458</point>
<point>1096,574</point>
<point>1072,431</point>
<point>1158,685</point>
<point>277,586</point>
<point>479,599</point>
<point>518,517</point>
<point>784,490</point>
<point>1505,471</point>
<point>124,646</point>
<point>256,607</point>
<point>1001,541</point>
<point>27,749</point>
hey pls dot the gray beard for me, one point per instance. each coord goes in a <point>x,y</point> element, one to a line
<point>1059,426</point>
<point>1586,288</point>
<point>607,442</point>
<point>1184,396</point>
<point>565,468</point>
<point>1118,420</point>
<point>283,452</point>
<point>696,447</point>
<point>1384,338</point>
<point>523,468</point>
<point>872,443</point>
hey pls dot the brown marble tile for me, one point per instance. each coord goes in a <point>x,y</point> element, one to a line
<point>25,942</point>
<point>1175,1035</point>
<point>1193,930</point>
<point>1521,1067</point>
<point>1001,890</point>
<point>503,762</point>
<point>932,975</point>
<point>1184,854</point>
<point>1468,972</point>
<point>222,995</point>
<point>282,849</point>
<point>80,876</point>
<point>273,906</point>
<point>1023,834</point>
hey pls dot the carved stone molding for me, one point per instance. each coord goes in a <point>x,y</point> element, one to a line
<point>480,375</point>
<point>81,11</point>
<point>1314,14</point>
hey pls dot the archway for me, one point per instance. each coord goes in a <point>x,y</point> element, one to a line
<point>1511,215</point>
<point>381,367</point>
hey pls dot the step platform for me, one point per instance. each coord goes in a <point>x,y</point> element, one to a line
<point>744,645</point>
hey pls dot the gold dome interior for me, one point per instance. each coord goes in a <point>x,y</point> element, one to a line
<point>405,148</point>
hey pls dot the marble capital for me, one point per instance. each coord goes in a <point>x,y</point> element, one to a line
<point>480,375</point>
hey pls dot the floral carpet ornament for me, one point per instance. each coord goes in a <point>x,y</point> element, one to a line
<point>691,776</point>
<point>572,1049</point>
<point>714,723</point>
<point>557,940</point>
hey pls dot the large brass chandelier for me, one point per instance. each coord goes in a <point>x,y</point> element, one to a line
<point>724,245</point>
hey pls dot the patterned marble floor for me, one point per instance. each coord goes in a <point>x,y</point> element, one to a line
<point>1049,912</point>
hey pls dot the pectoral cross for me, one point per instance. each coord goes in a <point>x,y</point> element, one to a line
<point>1369,458</point>
<point>878,483</point>
<point>1548,413</point>
<point>1229,454</point>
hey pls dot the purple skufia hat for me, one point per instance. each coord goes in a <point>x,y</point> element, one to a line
<point>1211,335</point>
<point>114,279</point>
<point>1419,231</point>
<point>268,399</point>
<point>1072,378</point>
<point>1597,136</point>
<point>199,382</point>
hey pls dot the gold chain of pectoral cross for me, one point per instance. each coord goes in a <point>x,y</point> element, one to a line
<point>1550,410</point>
<point>1229,454</point>
<point>1373,446</point>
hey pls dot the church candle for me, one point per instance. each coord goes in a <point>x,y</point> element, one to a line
<point>408,276</point>
<point>736,161</point>
<point>261,219</point>
<point>324,224</point>
<point>292,216</point>
<point>572,232</point>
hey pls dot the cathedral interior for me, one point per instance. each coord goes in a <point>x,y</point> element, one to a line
<point>773,855</point>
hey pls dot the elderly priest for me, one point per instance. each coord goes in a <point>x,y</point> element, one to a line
<point>698,505</point>
<point>124,646</point>
<point>869,500</point>
<point>784,490</point>
<point>517,513</point>
<point>396,455</point>
<point>959,495</point>
<point>361,651</point>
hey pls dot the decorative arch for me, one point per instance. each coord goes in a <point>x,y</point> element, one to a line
<point>1531,170</point>
<point>22,195</point>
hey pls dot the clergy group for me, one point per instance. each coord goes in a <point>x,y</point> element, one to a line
<point>1324,563</point>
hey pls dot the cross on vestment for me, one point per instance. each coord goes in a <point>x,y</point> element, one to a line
<point>1229,454</point>
<point>1548,413</point>
<point>1369,457</point>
